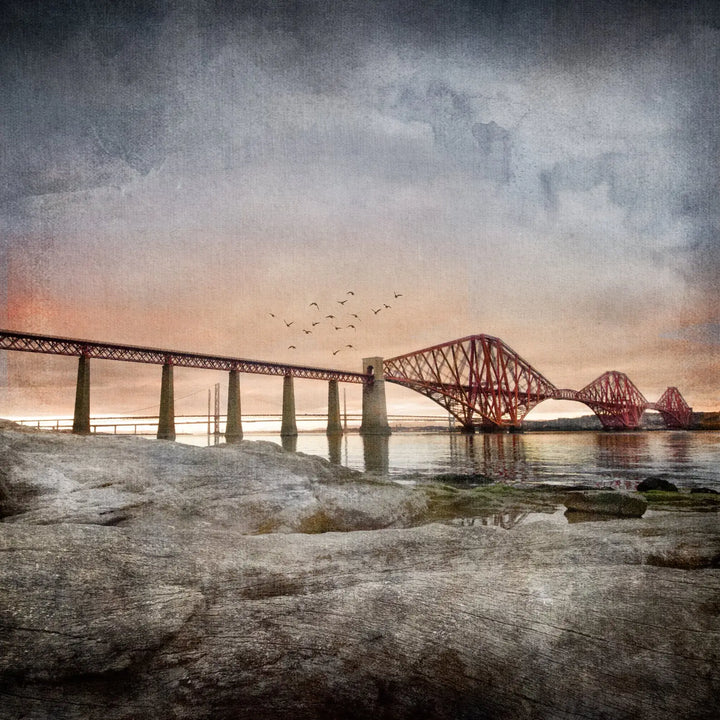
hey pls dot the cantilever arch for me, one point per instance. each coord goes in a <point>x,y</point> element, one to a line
<point>233,426</point>
<point>374,408</point>
<point>288,428</point>
<point>166,420</point>
<point>334,427</point>
<point>81,419</point>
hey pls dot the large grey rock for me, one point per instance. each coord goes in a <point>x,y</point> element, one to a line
<point>250,487</point>
<point>190,617</point>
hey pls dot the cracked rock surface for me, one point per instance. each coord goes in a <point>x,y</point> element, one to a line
<point>145,579</point>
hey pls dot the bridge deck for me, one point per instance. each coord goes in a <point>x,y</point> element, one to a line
<point>51,345</point>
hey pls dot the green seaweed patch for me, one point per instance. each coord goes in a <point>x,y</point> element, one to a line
<point>682,501</point>
<point>462,479</point>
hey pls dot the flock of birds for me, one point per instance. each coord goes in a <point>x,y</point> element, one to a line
<point>337,317</point>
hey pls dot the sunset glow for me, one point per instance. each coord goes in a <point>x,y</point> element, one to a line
<point>177,175</point>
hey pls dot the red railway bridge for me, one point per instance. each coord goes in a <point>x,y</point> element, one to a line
<point>478,379</point>
<point>486,384</point>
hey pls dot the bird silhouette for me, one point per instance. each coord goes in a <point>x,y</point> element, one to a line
<point>288,324</point>
<point>350,346</point>
<point>271,315</point>
<point>332,317</point>
<point>337,351</point>
<point>307,332</point>
<point>397,294</point>
<point>354,315</point>
<point>387,306</point>
<point>316,323</point>
<point>352,326</point>
<point>336,327</point>
<point>291,347</point>
<point>375,312</point>
<point>315,304</point>
<point>341,302</point>
<point>349,292</point>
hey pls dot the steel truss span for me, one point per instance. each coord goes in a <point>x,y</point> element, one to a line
<point>480,380</point>
<point>130,353</point>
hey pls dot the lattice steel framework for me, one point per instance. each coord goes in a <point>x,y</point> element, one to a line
<point>615,400</point>
<point>478,376</point>
<point>130,353</point>
<point>676,412</point>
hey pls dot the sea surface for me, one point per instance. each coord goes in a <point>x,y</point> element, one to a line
<point>597,459</point>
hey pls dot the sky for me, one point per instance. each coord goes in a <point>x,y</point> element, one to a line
<point>175,174</point>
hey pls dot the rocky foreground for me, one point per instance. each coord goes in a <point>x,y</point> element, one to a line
<point>145,579</point>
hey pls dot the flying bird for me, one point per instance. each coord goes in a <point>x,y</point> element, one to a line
<point>315,304</point>
<point>271,315</point>
<point>288,324</point>
<point>397,294</point>
<point>350,346</point>
<point>341,302</point>
<point>354,315</point>
<point>307,332</point>
<point>387,306</point>
<point>291,347</point>
<point>336,327</point>
<point>352,326</point>
<point>375,312</point>
<point>316,323</point>
<point>337,351</point>
<point>349,292</point>
<point>330,316</point>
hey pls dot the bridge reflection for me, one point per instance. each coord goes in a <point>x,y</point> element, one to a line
<point>498,456</point>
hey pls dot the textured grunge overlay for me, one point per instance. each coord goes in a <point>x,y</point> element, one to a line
<point>174,172</point>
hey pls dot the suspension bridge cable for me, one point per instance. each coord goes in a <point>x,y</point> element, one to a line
<point>157,405</point>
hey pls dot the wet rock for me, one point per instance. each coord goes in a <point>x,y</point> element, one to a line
<point>656,483</point>
<point>611,503</point>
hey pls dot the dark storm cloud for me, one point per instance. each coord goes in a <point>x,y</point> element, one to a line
<point>375,97</point>
<point>85,99</point>
<point>701,143</point>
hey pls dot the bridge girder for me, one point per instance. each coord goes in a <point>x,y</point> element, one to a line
<point>676,413</point>
<point>615,399</point>
<point>478,376</point>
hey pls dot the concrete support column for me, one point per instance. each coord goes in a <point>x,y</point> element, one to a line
<point>334,427</point>
<point>374,407</point>
<point>233,427</point>
<point>288,428</point>
<point>81,420</point>
<point>166,420</point>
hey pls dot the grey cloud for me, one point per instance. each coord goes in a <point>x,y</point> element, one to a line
<point>703,333</point>
<point>483,149</point>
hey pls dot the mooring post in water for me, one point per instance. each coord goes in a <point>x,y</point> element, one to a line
<point>288,428</point>
<point>374,408</point>
<point>81,419</point>
<point>334,427</point>
<point>166,420</point>
<point>233,426</point>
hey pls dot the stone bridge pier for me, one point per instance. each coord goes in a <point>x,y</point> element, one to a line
<point>374,406</point>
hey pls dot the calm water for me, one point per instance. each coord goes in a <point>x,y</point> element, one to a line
<point>690,459</point>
